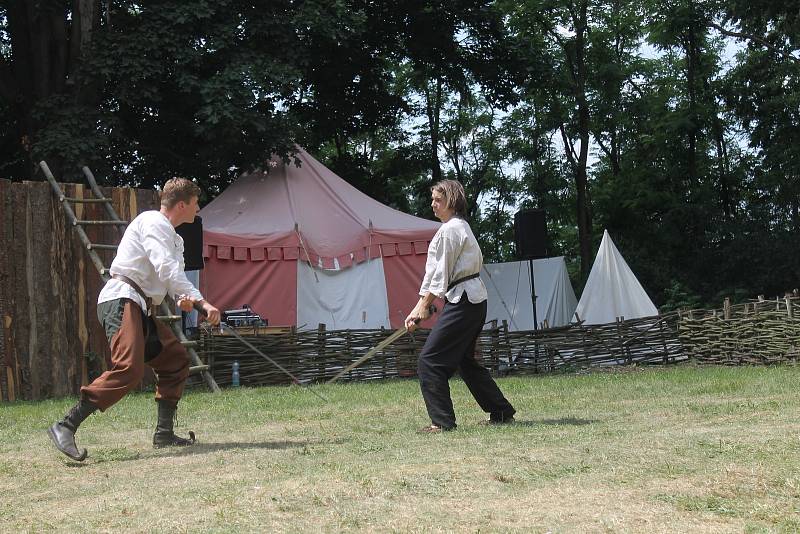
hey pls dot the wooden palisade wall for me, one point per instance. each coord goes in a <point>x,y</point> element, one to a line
<point>51,341</point>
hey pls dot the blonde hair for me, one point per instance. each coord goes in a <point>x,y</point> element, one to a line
<point>454,196</point>
<point>178,190</point>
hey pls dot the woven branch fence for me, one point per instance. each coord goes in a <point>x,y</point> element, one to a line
<point>755,333</point>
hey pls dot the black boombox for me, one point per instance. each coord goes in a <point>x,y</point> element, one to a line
<point>244,316</point>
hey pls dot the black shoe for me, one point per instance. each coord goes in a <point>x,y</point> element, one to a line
<point>165,436</point>
<point>62,433</point>
<point>64,440</point>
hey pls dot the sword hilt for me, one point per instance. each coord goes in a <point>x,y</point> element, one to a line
<point>431,310</point>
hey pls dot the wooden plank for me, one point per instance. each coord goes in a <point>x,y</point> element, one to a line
<point>255,331</point>
<point>83,331</point>
<point>133,205</point>
<point>12,396</point>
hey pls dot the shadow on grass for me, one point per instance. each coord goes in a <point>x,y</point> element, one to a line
<point>125,455</point>
<point>572,421</point>
<point>201,447</point>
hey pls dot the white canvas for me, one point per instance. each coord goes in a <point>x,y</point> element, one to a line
<point>612,289</point>
<point>509,288</point>
<point>352,298</point>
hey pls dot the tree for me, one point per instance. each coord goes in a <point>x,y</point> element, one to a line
<point>43,48</point>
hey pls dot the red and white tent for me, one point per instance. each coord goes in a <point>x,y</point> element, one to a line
<point>301,246</point>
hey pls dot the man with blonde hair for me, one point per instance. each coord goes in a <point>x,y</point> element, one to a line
<point>147,267</point>
<point>452,273</point>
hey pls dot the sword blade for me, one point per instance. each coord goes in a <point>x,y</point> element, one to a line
<point>374,350</point>
<point>270,360</point>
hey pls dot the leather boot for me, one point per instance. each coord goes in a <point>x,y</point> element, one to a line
<point>165,436</point>
<point>62,433</point>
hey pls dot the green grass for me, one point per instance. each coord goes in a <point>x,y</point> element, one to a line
<point>681,449</point>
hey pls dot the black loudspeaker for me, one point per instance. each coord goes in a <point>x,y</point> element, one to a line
<point>530,234</point>
<point>192,234</point>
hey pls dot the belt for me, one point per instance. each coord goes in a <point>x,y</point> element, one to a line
<point>147,300</point>
<point>454,283</point>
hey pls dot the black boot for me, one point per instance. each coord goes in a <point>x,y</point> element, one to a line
<point>62,433</point>
<point>164,436</point>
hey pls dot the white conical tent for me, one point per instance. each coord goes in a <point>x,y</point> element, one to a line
<point>612,289</point>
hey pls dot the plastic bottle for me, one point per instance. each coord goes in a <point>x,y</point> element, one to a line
<point>235,374</point>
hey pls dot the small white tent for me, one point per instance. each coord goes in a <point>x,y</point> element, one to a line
<point>612,289</point>
<point>509,288</point>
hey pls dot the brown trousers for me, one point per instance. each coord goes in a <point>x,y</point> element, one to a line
<point>126,328</point>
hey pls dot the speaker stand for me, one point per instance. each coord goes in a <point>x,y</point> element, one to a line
<point>533,294</point>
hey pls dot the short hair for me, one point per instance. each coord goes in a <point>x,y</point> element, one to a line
<point>454,196</point>
<point>178,190</point>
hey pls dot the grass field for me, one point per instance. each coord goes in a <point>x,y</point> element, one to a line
<point>681,449</point>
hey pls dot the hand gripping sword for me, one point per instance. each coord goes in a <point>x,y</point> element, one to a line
<point>400,332</point>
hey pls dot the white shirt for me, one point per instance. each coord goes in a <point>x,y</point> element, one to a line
<point>453,254</point>
<point>150,254</point>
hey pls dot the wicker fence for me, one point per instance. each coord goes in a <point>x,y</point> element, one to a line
<point>755,333</point>
<point>317,355</point>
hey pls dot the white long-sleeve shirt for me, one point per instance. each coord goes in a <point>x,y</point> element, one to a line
<point>453,254</point>
<point>150,254</point>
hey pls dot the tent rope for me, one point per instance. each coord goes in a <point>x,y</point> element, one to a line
<point>308,257</point>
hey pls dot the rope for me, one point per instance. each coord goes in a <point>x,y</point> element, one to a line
<point>308,257</point>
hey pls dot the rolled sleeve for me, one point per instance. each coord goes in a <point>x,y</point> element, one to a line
<point>167,261</point>
<point>442,255</point>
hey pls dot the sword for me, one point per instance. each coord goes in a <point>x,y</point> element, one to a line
<point>400,332</point>
<point>230,329</point>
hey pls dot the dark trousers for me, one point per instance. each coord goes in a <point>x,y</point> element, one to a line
<point>451,346</point>
<point>132,346</point>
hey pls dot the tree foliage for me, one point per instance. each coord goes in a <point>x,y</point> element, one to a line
<point>674,124</point>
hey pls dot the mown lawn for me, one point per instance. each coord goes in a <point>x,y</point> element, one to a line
<point>680,449</point>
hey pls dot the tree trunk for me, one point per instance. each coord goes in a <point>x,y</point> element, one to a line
<point>434,107</point>
<point>692,58</point>
<point>47,49</point>
<point>581,176</point>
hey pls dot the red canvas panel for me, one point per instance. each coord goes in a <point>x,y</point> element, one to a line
<point>403,278</point>
<point>360,255</point>
<point>257,254</point>
<point>345,261</point>
<point>270,288</point>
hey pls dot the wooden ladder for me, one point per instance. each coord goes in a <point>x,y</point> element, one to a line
<point>91,248</point>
